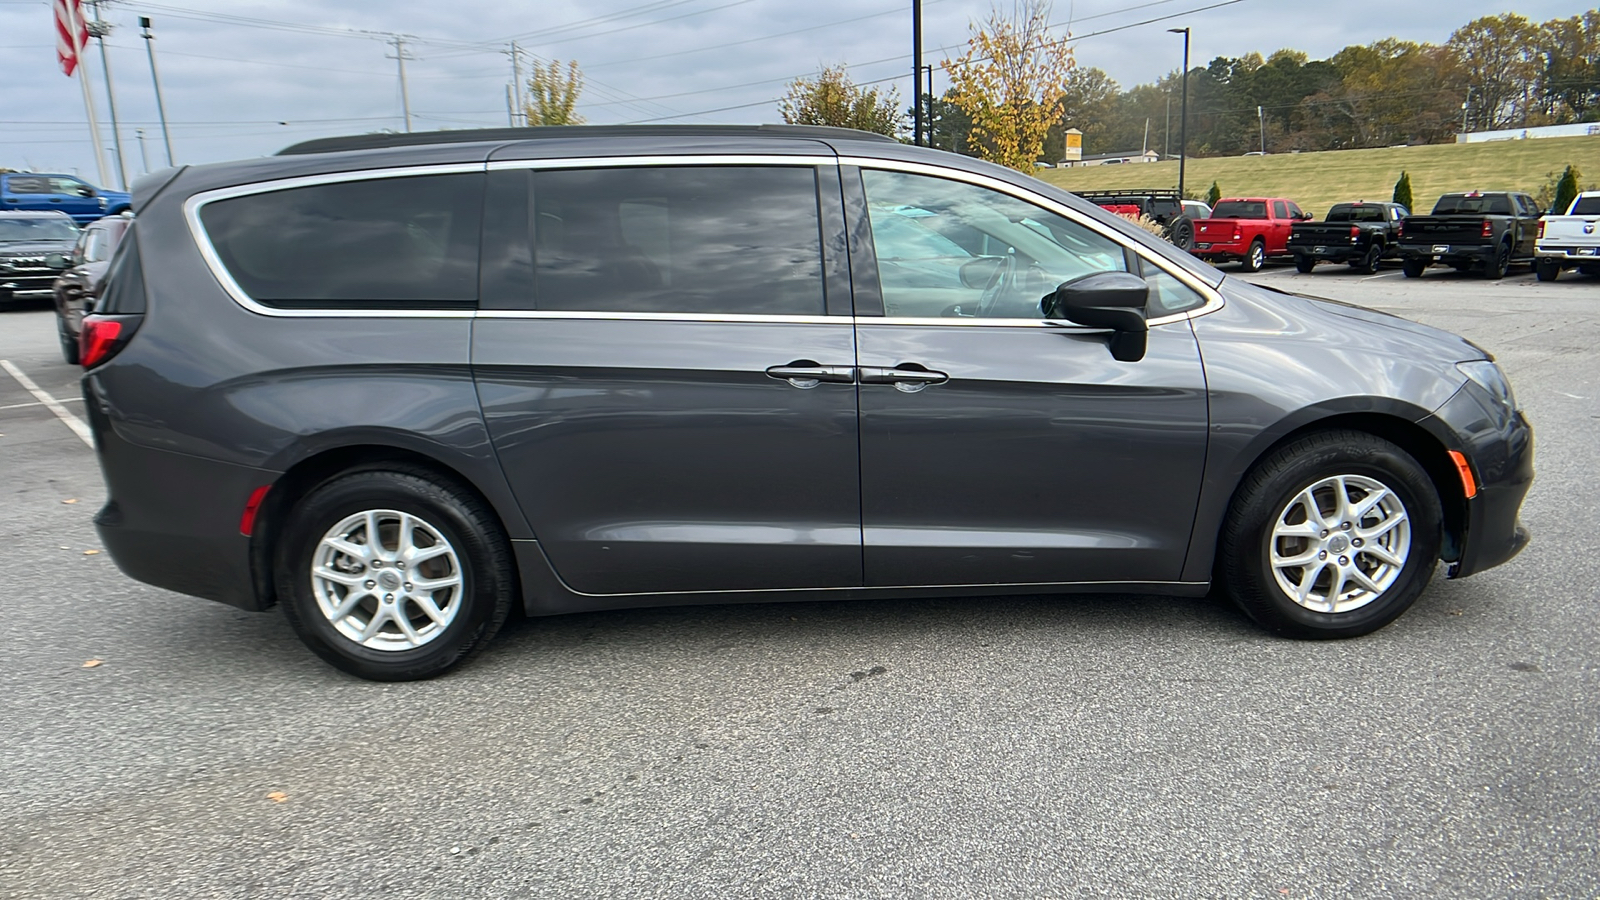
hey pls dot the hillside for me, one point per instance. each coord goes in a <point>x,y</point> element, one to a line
<point>1317,180</point>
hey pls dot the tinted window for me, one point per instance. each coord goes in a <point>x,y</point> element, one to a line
<point>946,248</point>
<point>1587,206</point>
<point>124,285</point>
<point>18,184</point>
<point>1279,210</point>
<point>1239,209</point>
<point>389,242</point>
<point>678,239</point>
<point>1356,214</point>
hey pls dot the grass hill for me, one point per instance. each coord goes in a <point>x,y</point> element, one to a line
<point>1318,180</point>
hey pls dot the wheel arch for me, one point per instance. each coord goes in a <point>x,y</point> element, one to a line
<point>321,466</point>
<point>1423,445</point>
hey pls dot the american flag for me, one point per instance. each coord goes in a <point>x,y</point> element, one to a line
<point>72,33</point>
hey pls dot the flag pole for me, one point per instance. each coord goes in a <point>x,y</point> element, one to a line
<point>77,35</point>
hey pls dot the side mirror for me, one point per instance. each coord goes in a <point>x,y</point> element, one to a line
<point>86,192</point>
<point>1114,300</point>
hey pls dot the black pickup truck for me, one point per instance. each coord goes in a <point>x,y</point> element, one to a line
<point>1358,233</point>
<point>1484,230</point>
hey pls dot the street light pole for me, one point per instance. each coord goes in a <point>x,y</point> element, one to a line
<point>916,72</point>
<point>1183,114</point>
<point>161,108</point>
<point>1263,117</point>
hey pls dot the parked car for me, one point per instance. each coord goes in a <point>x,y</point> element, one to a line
<point>33,251</point>
<point>77,288</point>
<point>1571,240</point>
<point>59,193</point>
<point>1249,230</point>
<point>1486,231</point>
<point>404,384</point>
<point>1196,209</point>
<point>1165,207</point>
<point>1362,234</point>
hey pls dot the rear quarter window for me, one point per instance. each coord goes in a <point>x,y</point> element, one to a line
<point>1587,206</point>
<point>1240,209</point>
<point>408,242</point>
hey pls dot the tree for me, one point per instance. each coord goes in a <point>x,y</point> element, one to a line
<point>833,99</point>
<point>1213,195</point>
<point>1010,81</point>
<point>1402,190</point>
<point>1499,56</point>
<point>1086,105</point>
<point>1566,191</point>
<point>552,94</point>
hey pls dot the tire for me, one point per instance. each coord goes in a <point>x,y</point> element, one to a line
<point>1304,264</point>
<point>1324,466</point>
<point>1496,270</point>
<point>1413,268</point>
<point>1368,264</point>
<point>69,346</point>
<point>343,616</point>
<point>1547,270</point>
<point>1255,257</point>
<point>1182,233</point>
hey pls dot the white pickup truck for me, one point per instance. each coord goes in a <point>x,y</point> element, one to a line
<point>1569,241</point>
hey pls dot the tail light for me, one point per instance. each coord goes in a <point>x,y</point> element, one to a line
<point>1400,228</point>
<point>1541,229</point>
<point>104,336</point>
<point>1488,228</point>
<point>1354,233</point>
<point>1238,235</point>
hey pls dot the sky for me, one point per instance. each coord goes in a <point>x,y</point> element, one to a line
<point>247,78</point>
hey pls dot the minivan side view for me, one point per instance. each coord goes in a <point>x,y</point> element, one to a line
<point>402,385</point>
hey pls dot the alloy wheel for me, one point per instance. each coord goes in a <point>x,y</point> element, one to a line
<point>387,580</point>
<point>1340,543</point>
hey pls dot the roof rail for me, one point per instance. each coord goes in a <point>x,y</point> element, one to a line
<point>509,135</point>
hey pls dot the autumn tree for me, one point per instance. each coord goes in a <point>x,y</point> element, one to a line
<point>1011,81</point>
<point>833,99</point>
<point>553,94</point>
<point>1569,80</point>
<point>1499,58</point>
<point>1086,105</point>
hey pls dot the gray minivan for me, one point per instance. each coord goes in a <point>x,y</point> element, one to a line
<point>401,385</point>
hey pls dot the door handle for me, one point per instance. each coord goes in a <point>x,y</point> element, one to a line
<point>907,377</point>
<point>805,374</point>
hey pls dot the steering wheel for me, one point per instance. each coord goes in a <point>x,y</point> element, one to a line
<point>1003,279</point>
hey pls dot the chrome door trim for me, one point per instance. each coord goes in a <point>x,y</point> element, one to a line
<point>696,159</point>
<point>596,315</point>
<point>1213,297</point>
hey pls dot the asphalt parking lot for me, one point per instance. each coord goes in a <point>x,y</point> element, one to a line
<point>1002,747</point>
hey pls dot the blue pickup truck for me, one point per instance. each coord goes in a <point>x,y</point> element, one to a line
<point>72,195</point>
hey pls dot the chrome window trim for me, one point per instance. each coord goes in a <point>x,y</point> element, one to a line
<point>597,315</point>
<point>697,159</point>
<point>202,240</point>
<point>1213,297</point>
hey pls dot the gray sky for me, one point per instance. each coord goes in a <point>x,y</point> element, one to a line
<point>247,78</point>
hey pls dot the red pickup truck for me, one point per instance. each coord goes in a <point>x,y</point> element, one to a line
<point>1247,230</point>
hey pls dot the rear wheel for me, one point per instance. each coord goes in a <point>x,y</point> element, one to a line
<point>1547,270</point>
<point>1304,264</point>
<point>1496,270</point>
<point>69,344</point>
<point>1255,257</point>
<point>1368,263</point>
<point>1413,268</point>
<point>1332,536</point>
<point>393,574</point>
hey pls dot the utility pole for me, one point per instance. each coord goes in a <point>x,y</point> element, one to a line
<point>1166,130</point>
<point>916,72</point>
<point>401,57</point>
<point>511,109</point>
<point>927,99</point>
<point>521,113</point>
<point>1263,117</point>
<point>161,108</point>
<point>1183,116</point>
<point>144,154</point>
<point>1464,104</point>
<point>98,29</point>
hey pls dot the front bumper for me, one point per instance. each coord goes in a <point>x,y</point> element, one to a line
<point>29,285</point>
<point>1499,446</point>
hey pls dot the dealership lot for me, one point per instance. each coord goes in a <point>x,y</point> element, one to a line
<point>1004,747</point>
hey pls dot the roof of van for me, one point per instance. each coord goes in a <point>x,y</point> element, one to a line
<point>477,135</point>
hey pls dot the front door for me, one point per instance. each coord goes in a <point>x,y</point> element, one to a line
<point>999,448</point>
<point>670,399</point>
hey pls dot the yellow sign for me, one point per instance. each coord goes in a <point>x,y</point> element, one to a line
<point>1075,140</point>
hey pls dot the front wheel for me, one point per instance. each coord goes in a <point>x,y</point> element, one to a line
<point>1255,258</point>
<point>1413,268</point>
<point>393,574</point>
<point>1332,536</point>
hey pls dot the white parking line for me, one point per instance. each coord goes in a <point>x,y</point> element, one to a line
<point>50,403</point>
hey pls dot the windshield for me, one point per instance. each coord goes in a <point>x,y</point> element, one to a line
<point>1355,214</point>
<point>1240,209</point>
<point>51,229</point>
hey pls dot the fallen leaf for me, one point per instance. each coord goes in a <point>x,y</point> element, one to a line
<point>73,500</point>
<point>89,664</point>
<point>90,552</point>
<point>65,547</point>
<point>277,796</point>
